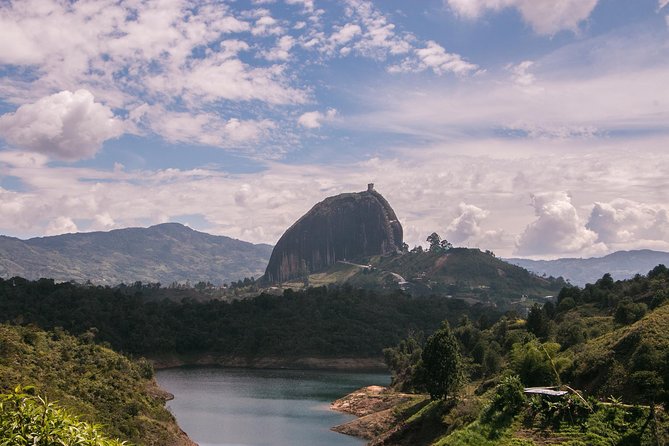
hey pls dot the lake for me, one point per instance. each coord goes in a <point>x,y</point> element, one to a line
<point>242,407</point>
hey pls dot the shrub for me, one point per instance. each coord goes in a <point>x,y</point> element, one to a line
<point>28,420</point>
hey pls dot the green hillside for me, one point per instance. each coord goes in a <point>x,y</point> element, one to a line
<point>89,381</point>
<point>464,273</point>
<point>606,345</point>
<point>163,253</point>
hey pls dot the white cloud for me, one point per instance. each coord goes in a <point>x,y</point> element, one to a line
<point>621,223</point>
<point>282,49</point>
<point>206,128</point>
<point>266,25</point>
<point>61,225</point>
<point>66,125</point>
<point>544,16</point>
<point>467,224</point>
<point>423,186</point>
<point>159,52</point>
<point>345,34</point>
<point>557,230</point>
<point>379,37</point>
<point>520,73</point>
<point>314,119</point>
<point>662,3</point>
<point>308,5</point>
<point>434,57</point>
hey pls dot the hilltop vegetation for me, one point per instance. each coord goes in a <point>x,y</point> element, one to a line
<point>609,341</point>
<point>463,273</point>
<point>92,382</point>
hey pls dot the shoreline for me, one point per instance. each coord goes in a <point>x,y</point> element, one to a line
<point>168,361</point>
<point>375,410</point>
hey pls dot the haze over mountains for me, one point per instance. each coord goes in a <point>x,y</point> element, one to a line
<point>163,253</point>
<point>620,264</point>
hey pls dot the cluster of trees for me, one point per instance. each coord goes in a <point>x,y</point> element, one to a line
<point>550,345</point>
<point>322,321</point>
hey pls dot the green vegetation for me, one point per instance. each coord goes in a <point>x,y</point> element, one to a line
<point>162,253</point>
<point>459,272</point>
<point>321,322</point>
<point>609,340</point>
<point>442,367</point>
<point>28,420</point>
<point>87,380</point>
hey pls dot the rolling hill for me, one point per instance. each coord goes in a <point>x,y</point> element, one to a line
<point>163,253</point>
<point>621,265</point>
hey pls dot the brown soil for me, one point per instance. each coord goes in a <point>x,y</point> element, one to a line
<point>374,405</point>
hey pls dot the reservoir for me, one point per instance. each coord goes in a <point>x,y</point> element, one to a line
<point>243,407</point>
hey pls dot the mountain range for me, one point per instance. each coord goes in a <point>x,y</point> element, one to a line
<point>620,264</point>
<point>162,253</point>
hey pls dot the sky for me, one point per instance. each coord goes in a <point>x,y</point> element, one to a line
<point>532,128</point>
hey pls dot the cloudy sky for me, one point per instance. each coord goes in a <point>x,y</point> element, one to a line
<point>534,128</point>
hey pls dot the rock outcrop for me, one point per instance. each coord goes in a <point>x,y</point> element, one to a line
<point>344,227</point>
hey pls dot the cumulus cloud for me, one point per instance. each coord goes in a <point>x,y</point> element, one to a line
<point>282,49</point>
<point>204,128</point>
<point>623,222</point>
<point>314,119</point>
<point>544,16</point>
<point>557,229</point>
<point>66,125</point>
<point>467,224</point>
<point>61,225</point>
<point>308,5</point>
<point>434,57</point>
<point>379,37</point>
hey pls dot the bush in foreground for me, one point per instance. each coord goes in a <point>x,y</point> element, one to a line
<point>31,420</point>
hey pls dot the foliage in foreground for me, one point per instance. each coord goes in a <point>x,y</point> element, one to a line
<point>28,420</point>
<point>88,380</point>
<point>609,339</point>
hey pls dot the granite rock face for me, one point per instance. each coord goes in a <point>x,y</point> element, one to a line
<point>344,227</point>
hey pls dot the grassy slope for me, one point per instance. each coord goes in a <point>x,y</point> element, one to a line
<point>602,366</point>
<point>91,381</point>
<point>461,272</point>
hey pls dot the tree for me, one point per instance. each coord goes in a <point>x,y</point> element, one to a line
<point>403,361</point>
<point>435,242</point>
<point>442,364</point>
<point>537,322</point>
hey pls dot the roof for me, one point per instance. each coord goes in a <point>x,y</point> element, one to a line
<point>544,391</point>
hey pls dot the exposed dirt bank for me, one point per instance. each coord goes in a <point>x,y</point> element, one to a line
<point>213,359</point>
<point>375,407</point>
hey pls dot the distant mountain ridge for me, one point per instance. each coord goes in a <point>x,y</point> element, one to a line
<point>620,264</point>
<point>162,253</point>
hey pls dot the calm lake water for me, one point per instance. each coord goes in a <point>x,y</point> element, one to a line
<point>241,407</point>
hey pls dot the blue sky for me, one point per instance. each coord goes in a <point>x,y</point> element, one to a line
<point>533,128</point>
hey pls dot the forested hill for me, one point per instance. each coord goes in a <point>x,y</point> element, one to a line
<point>621,265</point>
<point>465,273</point>
<point>163,253</point>
<point>90,382</point>
<point>320,322</point>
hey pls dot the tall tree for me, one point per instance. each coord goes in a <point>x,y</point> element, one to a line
<point>442,364</point>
